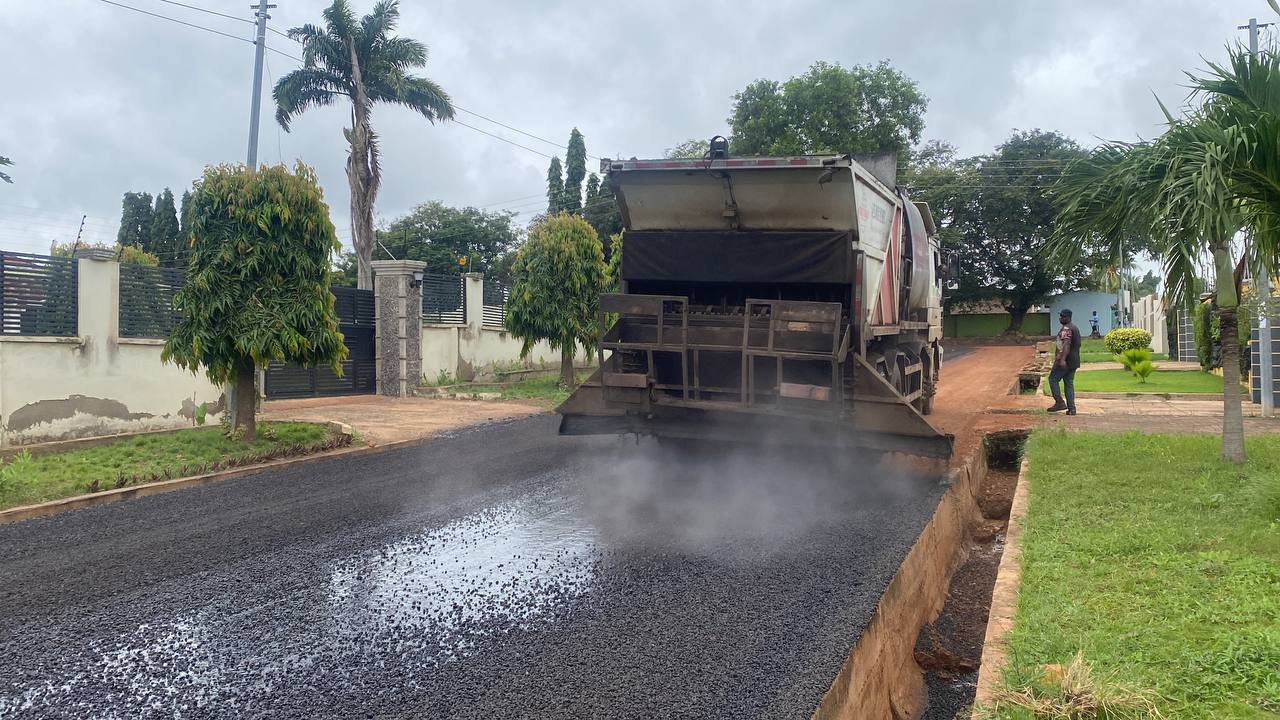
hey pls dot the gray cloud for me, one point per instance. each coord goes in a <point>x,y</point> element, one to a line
<point>100,100</point>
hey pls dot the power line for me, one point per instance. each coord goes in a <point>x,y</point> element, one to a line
<point>499,137</point>
<point>205,10</point>
<point>175,20</point>
<point>515,129</point>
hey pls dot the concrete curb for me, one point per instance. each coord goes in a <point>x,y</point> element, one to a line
<point>1004,602</point>
<point>106,497</point>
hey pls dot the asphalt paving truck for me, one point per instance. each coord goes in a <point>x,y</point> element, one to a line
<point>794,300</point>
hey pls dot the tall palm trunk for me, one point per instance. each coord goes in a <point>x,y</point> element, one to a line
<point>362,176</point>
<point>1228,300</point>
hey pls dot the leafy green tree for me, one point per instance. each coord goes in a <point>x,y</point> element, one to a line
<point>363,62</point>
<point>1209,187</point>
<point>555,187</point>
<point>829,109</point>
<point>439,235</point>
<point>575,169</point>
<point>601,211</point>
<point>258,289</point>
<point>555,292</point>
<point>690,149</point>
<point>164,230</point>
<point>4,161</point>
<point>135,220</point>
<point>1000,217</point>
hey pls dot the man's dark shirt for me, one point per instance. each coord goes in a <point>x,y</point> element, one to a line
<point>1069,336</point>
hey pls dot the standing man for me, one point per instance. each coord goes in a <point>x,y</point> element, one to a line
<point>1093,323</point>
<point>1065,363</point>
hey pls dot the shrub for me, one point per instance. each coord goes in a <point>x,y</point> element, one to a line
<point>1132,357</point>
<point>1204,326</point>
<point>1121,339</point>
<point>1142,369</point>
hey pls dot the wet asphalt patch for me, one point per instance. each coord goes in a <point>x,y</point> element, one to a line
<point>500,573</point>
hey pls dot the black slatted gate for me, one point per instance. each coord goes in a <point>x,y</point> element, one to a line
<point>355,320</point>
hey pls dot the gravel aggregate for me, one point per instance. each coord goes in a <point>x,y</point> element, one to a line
<point>498,572</point>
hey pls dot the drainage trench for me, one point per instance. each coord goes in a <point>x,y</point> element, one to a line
<point>919,655</point>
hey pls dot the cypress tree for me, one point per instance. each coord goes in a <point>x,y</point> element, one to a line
<point>555,188</point>
<point>575,169</point>
<point>135,220</point>
<point>164,230</point>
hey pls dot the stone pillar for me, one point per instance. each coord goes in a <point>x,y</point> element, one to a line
<point>473,287</point>
<point>98,311</point>
<point>397,306</point>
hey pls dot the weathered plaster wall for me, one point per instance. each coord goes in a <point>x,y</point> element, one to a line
<point>463,350</point>
<point>96,383</point>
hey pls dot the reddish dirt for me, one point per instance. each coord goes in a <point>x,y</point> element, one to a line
<point>949,649</point>
<point>973,395</point>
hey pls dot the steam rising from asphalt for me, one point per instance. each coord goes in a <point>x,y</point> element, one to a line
<point>750,500</point>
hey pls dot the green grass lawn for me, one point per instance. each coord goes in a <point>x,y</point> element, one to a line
<point>544,391</point>
<point>1104,356</point>
<point>1161,381</point>
<point>165,455</point>
<point>1159,564</point>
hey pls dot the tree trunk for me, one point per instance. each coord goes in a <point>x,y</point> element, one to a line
<point>1228,300</point>
<point>567,377</point>
<point>1016,316</point>
<point>363,176</point>
<point>246,395</point>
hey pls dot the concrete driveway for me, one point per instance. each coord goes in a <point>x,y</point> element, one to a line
<point>385,420</point>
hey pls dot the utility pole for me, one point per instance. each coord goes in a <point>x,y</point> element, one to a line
<point>1253,27</point>
<point>260,46</point>
<point>1266,371</point>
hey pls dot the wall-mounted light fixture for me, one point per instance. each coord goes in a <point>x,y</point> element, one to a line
<point>417,279</point>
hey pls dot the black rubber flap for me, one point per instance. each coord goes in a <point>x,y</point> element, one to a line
<point>739,256</point>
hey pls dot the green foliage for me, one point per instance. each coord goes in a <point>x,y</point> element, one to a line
<point>184,229</point>
<point>995,214</point>
<point>1132,356</point>
<point>439,235</point>
<point>135,220</point>
<point>4,161</point>
<point>202,413</point>
<point>15,471</point>
<point>127,255</point>
<point>691,149</point>
<point>1120,339</point>
<point>601,213</point>
<point>1142,369</point>
<point>555,187</point>
<point>380,73</point>
<point>1168,381</point>
<point>613,270</point>
<point>164,230</point>
<point>258,286</point>
<point>575,169</point>
<point>829,109</point>
<point>555,293</point>
<point>1204,326</point>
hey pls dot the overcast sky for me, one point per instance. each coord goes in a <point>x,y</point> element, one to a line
<point>100,100</point>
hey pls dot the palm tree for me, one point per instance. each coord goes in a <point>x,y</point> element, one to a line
<point>1208,187</point>
<point>364,63</point>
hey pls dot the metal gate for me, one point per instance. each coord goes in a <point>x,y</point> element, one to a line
<point>355,320</point>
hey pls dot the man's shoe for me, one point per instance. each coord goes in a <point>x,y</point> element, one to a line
<point>1057,407</point>
<point>1071,412</point>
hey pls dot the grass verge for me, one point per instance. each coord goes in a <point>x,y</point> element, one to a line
<point>1094,351</point>
<point>1160,567</point>
<point>148,458</point>
<point>544,391</point>
<point>1161,381</point>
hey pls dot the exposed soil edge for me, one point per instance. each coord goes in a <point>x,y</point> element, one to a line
<point>1004,601</point>
<point>880,678</point>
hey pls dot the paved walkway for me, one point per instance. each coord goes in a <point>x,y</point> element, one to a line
<point>383,420</point>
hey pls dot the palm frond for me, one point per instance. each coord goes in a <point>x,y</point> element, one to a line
<point>305,88</point>
<point>416,93</point>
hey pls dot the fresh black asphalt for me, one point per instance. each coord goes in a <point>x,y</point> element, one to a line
<point>499,572</point>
